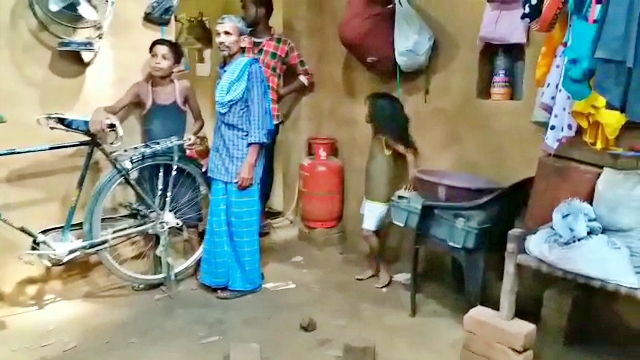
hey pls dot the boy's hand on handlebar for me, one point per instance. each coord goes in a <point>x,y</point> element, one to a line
<point>190,140</point>
<point>99,125</point>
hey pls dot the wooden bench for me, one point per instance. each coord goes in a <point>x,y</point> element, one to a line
<point>516,257</point>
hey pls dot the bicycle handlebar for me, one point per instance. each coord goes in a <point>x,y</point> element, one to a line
<point>116,128</point>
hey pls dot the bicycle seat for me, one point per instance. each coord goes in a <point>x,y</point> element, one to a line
<point>65,122</point>
<point>78,124</point>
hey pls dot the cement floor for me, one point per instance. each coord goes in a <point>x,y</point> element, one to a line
<point>97,317</point>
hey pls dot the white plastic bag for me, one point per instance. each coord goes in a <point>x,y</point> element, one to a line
<point>597,257</point>
<point>413,39</point>
<point>617,200</point>
<point>616,203</point>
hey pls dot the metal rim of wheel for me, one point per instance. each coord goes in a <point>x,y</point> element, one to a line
<point>63,24</point>
<point>94,215</point>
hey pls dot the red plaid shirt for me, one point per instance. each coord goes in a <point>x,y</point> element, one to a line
<point>276,53</point>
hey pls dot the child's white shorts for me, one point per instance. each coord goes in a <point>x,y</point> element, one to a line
<point>373,214</point>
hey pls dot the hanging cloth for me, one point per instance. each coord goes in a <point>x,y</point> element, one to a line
<point>548,52</point>
<point>502,25</point>
<point>617,60</point>
<point>542,16</point>
<point>558,104</point>
<point>601,126</point>
<point>583,38</point>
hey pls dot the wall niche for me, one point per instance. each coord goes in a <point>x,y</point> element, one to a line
<point>503,64</point>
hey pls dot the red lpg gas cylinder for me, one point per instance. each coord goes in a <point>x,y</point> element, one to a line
<point>321,185</point>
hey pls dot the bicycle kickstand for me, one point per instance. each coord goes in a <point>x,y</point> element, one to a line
<point>171,282</point>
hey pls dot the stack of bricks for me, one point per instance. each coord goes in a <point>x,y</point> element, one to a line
<point>489,337</point>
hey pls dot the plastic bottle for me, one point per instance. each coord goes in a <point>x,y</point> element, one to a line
<point>501,80</point>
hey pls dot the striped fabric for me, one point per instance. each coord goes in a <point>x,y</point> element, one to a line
<point>232,84</point>
<point>231,257</point>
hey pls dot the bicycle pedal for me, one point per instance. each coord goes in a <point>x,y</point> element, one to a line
<point>52,254</point>
<point>29,259</point>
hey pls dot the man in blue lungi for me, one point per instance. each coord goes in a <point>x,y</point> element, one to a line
<point>231,259</point>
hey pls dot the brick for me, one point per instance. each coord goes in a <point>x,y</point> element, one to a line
<point>468,355</point>
<point>515,334</point>
<point>492,350</point>
<point>244,351</point>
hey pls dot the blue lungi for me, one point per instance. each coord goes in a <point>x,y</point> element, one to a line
<point>231,255</point>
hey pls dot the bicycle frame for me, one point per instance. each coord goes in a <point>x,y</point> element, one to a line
<point>92,144</point>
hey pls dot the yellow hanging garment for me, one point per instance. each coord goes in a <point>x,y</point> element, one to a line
<point>548,50</point>
<point>601,126</point>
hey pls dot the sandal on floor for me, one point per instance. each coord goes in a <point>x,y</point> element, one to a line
<point>382,286</point>
<point>145,287</point>
<point>363,277</point>
<point>233,294</point>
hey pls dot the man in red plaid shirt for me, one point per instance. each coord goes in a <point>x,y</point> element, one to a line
<point>276,54</point>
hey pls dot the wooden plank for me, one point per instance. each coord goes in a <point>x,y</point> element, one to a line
<point>244,351</point>
<point>557,180</point>
<point>509,290</point>
<point>531,262</point>
<point>576,149</point>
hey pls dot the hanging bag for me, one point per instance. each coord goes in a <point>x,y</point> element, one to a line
<point>366,32</point>
<point>160,12</point>
<point>413,39</point>
<point>501,24</point>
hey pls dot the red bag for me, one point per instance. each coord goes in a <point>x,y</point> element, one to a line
<point>366,31</point>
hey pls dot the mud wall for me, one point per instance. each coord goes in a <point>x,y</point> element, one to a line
<point>35,190</point>
<point>453,129</point>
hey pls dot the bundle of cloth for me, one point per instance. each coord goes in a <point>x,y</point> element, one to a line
<point>576,242</point>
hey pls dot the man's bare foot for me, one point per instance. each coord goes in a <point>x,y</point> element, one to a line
<point>385,279</point>
<point>366,275</point>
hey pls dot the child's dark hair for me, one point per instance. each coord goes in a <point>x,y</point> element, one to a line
<point>174,47</point>
<point>386,114</point>
<point>267,5</point>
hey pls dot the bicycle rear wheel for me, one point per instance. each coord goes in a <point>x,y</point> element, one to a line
<point>113,197</point>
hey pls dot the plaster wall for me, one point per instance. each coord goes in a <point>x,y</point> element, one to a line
<point>35,190</point>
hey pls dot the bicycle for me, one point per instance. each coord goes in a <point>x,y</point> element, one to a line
<point>153,216</point>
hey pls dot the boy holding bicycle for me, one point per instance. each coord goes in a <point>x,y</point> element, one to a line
<point>165,101</point>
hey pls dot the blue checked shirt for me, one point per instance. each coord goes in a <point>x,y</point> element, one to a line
<point>248,121</point>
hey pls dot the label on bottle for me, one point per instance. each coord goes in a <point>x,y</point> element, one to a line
<point>500,86</point>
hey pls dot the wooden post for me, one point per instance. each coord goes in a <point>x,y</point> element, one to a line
<point>510,277</point>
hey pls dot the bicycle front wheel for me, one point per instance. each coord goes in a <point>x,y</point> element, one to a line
<point>115,208</point>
